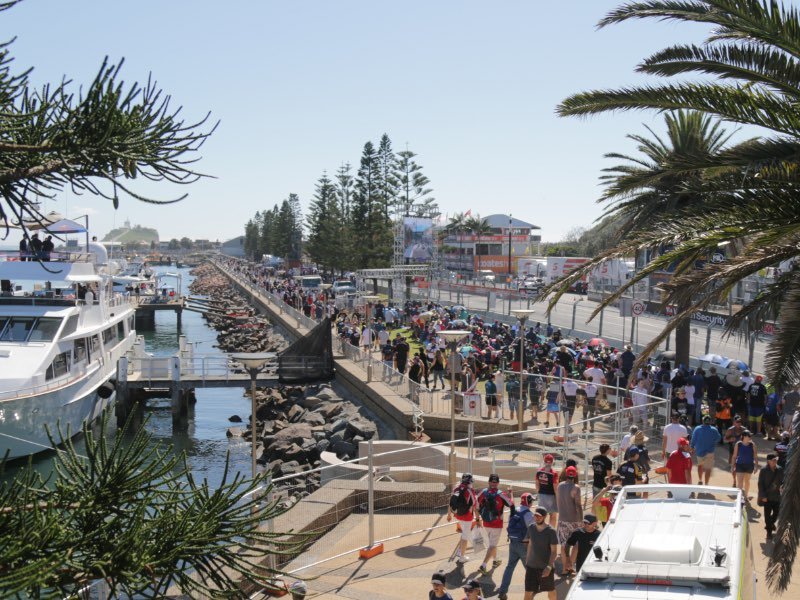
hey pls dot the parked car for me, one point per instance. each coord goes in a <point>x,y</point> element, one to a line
<point>343,286</point>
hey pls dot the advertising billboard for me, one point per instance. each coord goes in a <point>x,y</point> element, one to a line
<point>417,240</point>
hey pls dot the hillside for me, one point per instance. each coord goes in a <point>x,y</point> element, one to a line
<point>134,234</point>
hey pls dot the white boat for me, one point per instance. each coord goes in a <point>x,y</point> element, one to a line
<point>671,541</point>
<point>57,350</point>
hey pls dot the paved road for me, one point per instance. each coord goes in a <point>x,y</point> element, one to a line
<point>616,329</point>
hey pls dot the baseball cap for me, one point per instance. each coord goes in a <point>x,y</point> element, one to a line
<point>683,442</point>
<point>571,472</point>
<point>771,456</point>
<point>494,478</point>
<point>438,578</point>
<point>541,511</point>
<point>472,584</point>
<point>633,450</point>
<point>298,588</point>
<point>759,378</point>
<point>737,418</point>
<point>588,518</point>
<point>548,458</point>
<point>466,478</point>
<point>526,498</point>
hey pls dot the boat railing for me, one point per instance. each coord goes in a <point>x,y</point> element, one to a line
<point>55,256</point>
<point>54,384</point>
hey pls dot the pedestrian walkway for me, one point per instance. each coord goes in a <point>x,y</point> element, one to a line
<point>404,569</point>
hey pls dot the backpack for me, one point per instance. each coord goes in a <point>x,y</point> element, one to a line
<point>517,530</point>
<point>458,500</point>
<point>488,510</point>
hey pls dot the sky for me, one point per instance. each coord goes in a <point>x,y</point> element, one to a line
<point>298,88</point>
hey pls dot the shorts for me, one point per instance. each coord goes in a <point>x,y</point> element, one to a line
<point>745,468</point>
<point>756,412</point>
<point>707,461</point>
<point>565,529</point>
<point>466,529</point>
<point>548,501</point>
<point>493,536</point>
<point>491,400</point>
<point>535,582</point>
<point>772,419</point>
<point>552,407</point>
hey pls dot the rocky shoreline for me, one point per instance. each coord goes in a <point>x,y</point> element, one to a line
<point>294,424</point>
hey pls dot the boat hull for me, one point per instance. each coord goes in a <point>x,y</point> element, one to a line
<point>24,422</point>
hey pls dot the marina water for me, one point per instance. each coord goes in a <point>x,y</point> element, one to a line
<point>205,441</point>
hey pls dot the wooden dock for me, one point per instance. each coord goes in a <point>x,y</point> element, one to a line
<point>147,306</point>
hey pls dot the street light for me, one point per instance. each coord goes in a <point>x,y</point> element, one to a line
<point>574,307</point>
<point>510,222</point>
<point>522,314</point>
<point>452,337</point>
<point>253,362</point>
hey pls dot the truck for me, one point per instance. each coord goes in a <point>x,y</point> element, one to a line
<point>558,266</point>
<point>531,267</point>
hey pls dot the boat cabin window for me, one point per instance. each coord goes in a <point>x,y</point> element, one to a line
<point>121,330</point>
<point>80,349</point>
<point>59,366</point>
<point>17,329</point>
<point>109,336</point>
<point>94,347</point>
<point>45,329</point>
<point>71,326</point>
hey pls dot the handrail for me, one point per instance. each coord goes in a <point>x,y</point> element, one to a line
<point>61,382</point>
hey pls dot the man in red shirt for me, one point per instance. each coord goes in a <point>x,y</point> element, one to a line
<point>679,463</point>
<point>491,502</point>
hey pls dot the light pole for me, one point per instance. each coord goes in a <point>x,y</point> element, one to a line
<point>452,337</point>
<point>522,314</point>
<point>510,221</point>
<point>574,307</point>
<point>253,362</point>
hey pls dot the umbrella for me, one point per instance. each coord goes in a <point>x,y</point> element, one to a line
<point>63,226</point>
<point>425,316</point>
<point>459,322</point>
<point>565,342</point>
<point>598,342</point>
<point>712,358</point>
<point>459,307</point>
<point>732,363</point>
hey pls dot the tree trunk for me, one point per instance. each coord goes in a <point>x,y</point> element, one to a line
<point>683,339</point>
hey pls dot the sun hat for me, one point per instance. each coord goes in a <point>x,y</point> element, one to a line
<point>640,437</point>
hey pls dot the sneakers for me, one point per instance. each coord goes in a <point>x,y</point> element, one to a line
<point>496,563</point>
<point>483,570</point>
<point>462,559</point>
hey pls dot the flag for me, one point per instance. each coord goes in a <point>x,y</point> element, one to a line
<point>468,213</point>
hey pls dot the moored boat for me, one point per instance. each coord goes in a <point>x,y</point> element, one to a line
<point>62,331</point>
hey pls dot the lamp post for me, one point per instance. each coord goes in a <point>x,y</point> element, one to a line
<point>510,221</point>
<point>452,337</point>
<point>522,314</point>
<point>574,307</point>
<point>253,362</point>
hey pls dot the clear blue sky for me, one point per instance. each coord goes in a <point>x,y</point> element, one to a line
<point>299,86</point>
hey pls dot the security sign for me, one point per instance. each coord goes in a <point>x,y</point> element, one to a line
<point>637,308</point>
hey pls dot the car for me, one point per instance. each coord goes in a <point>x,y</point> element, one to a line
<point>343,286</point>
<point>532,285</point>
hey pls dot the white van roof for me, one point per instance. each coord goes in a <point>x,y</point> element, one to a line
<point>669,546</point>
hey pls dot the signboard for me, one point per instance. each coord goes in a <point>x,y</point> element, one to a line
<point>637,308</point>
<point>625,309</point>
<point>495,262</point>
<point>472,405</point>
<point>481,452</point>
<point>417,240</point>
<point>381,469</point>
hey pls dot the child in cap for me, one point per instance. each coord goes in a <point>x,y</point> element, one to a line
<point>439,591</point>
<point>472,590</point>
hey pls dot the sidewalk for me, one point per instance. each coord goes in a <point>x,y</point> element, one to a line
<point>406,565</point>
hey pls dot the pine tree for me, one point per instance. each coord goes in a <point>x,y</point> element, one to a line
<point>344,197</point>
<point>387,174</point>
<point>324,225</point>
<point>367,216</point>
<point>414,196</point>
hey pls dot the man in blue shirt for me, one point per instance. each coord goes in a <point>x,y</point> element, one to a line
<point>704,442</point>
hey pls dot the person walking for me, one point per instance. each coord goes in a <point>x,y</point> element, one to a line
<point>770,483</point>
<point>541,557</point>
<point>438,369</point>
<point>546,488</point>
<point>744,462</point>
<point>491,504</point>
<point>581,541</point>
<point>517,531</point>
<point>601,469</point>
<point>679,464</point>
<point>671,434</point>
<point>570,514</point>
<point>464,507</point>
<point>704,443</point>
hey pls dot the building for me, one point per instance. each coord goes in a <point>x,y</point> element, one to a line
<point>506,240</point>
<point>234,247</point>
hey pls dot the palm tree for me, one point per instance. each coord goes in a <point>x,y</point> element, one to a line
<point>644,190</point>
<point>456,225</point>
<point>753,59</point>
<point>477,227</point>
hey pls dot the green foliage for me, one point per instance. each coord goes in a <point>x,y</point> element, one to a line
<point>133,235</point>
<point>749,67</point>
<point>186,243</point>
<point>415,197</point>
<point>324,223</point>
<point>93,140</point>
<point>132,514</point>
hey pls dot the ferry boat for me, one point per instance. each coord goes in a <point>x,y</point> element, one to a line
<point>62,331</point>
<point>671,541</point>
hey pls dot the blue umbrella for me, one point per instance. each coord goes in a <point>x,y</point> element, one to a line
<point>737,364</point>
